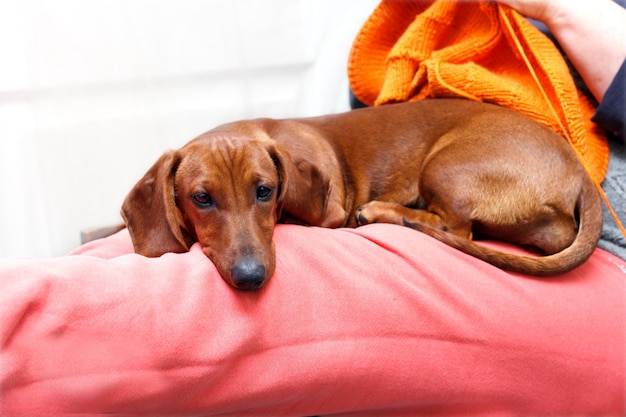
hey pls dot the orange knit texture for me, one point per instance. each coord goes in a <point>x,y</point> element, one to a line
<point>412,50</point>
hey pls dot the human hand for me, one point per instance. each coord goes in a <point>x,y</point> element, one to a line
<point>542,10</point>
<point>592,34</point>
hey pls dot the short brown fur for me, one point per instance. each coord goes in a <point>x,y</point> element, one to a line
<point>449,168</point>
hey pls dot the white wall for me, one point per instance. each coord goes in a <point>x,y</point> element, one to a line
<point>93,91</point>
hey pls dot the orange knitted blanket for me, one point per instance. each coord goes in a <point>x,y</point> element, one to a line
<point>412,50</point>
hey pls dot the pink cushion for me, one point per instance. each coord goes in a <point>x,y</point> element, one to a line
<point>379,320</point>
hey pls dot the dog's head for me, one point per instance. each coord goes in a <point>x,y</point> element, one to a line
<point>222,190</point>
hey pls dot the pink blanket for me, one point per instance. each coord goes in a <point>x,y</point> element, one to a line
<point>379,320</point>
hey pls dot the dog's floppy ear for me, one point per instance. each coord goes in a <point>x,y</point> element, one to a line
<point>303,189</point>
<point>281,161</point>
<point>150,211</point>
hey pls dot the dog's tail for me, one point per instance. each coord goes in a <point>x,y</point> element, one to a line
<point>589,207</point>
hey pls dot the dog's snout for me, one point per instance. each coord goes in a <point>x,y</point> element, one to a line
<point>248,274</point>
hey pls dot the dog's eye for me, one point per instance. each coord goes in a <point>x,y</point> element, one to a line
<point>264,193</point>
<point>202,200</point>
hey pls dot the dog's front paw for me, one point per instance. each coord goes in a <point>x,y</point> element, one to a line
<point>381,212</point>
<point>360,216</point>
<point>377,212</point>
<point>369,213</point>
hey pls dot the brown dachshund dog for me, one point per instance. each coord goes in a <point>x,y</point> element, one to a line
<point>448,167</point>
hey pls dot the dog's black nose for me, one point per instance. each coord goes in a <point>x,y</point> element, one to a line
<point>248,275</point>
